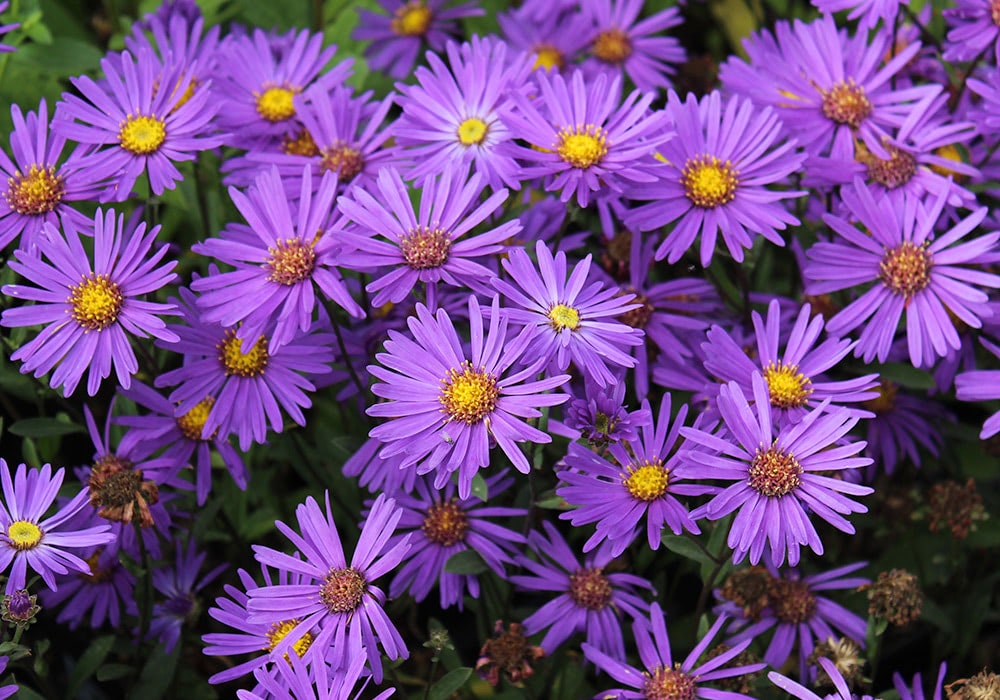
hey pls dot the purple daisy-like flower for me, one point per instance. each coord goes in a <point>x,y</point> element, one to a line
<point>452,115</point>
<point>555,34</point>
<point>568,318</point>
<point>90,308</point>
<point>340,600</point>
<point>600,417</point>
<point>440,525</point>
<point>589,600</point>
<point>915,690</point>
<point>582,137</point>
<point>795,384</point>
<point>621,42</point>
<point>280,258</point>
<point>797,690</point>
<point>143,129</point>
<point>30,540</point>
<point>972,29</point>
<point>778,480</point>
<point>251,381</point>
<point>903,424</point>
<point>39,189</point>
<point>716,177</point>
<point>7,690</point>
<point>866,12</point>
<point>910,269</point>
<point>428,244</point>
<point>396,40</point>
<point>447,405</point>
<point>982,385</point>
<point>662,677</point>
<point>96,597</point>
<point>180,585</point>
<point>641,482</point>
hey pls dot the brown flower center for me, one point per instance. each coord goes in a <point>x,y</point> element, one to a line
<point>669,684</point>
<point>590,589</point>
<point>343,159</point>
<point>791,601</point>
<point>774,473</point>
<point>613,46</point>
<point>906,269</point>
<point>343,590</point>
<point>291,261</point>
<point>425,248</point>
<point>118,490</point>
<point>445,524</point>
<point>846,103</point>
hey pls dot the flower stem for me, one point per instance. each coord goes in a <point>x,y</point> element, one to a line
<point>145,602</point>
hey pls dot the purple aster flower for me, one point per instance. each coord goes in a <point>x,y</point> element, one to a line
<point>452,116</point>
<point>250,382</point>
<point>447,406</point>
<point>589,600</point>
<point>280,258</point>
<point>790,605</point>
<point>422,247</point>
<point>440,525</point>
<point>341,600</point>
<point>794,380</point>
<point>97,597</point>
<point>145,130</point>
<point>619,43</point>
<point>982,385</point>
<point>39,189</point>
<point>568,318</point>
<point>397,40</point>
<point>867,12</point>
<point>777,478</point>
<point>178,37</point>
<point>915,691</point>
<point>259,79</point>
<point>903,424</point>
<point>180,584</point>
<point>715,178</point>
<point>798,690</point>
<point>601,417</point>
<point>661,677</point>
<point>987,116</point>
<point>973,28</point>
<point>90,308</point>
<point>312,680</point>
<point>829,88</point>
<point>7,690</point>
<point>582,137</point>
<point>29,539</point>
<point>554,33</point>
<point>910,269</point>
<point>642,481</point>
<point>377,474</point>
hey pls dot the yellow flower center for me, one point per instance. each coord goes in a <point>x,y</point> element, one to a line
<point>301,144</point>
<point>708,182</point>
<point>472,131</point>
<point>343,159</point>
<point>280,630</point>
<point>192,423</point>
<point>846,103</point>
<point>276,104</point>
<point>774,473</point>
<point>96,302</point>
<point>142,135</point>
<point>291,261</point>
<point>24,535</point>
<point>242,363</point>
<point>954,154</point>
<point>468,394</point>
<point>612,46</point>
<point>894,171</point>
<point>412,19</point>
<point>886,399</point>
<point>562,316</point>
<point>548,57</point>
<point>906,269</point>
<point>582,146</point>
<point>787,387</point>
<point>37,192</point>
<point>669,684</point>
<point>425,248</point>
<point>590,589</point>
<point>647,481</point>
<point>445,524</point>
<point>343,590</point>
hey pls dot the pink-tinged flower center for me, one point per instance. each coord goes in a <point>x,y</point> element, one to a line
<point>563,317</point>
<point>445,524</point>
<point>708,182</point>
<point>472,131</point>
<point>343,590</point>
<point>647,481</point>
<point>291,261</point>
<point>301,144</point>
<point>468,394</point>
<point>612,46</point>
<point>547,57</point>
<point>425,248</point>
<point>582,146</point>
<point>792,602</point>
<point>240,362</point>
<point>343,159</point>
<point>96,302</point>
<point>787,387</point>
<point>141,135</point>
<point>36,192</point>
<point>774,473</point>
<point>886,399</point>
<point>846,103</point>
<point>893,172</point>
<point>24,535</point>
<point>669,684</point>
<point>276,104</point>
<point>590,589</point>
<point>192,423</point>
<point>906,269</point>
<point>412,19</point>
<point>280,630</point>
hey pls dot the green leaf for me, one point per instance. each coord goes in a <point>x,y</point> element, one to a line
<point>449,683</point>
<point>110,672</point>
<point>907,375</point>
<point>468,563</point>
<point>687,549</point>
<point>479,488</point>
<point>63,58</point>
<point>89,662</point>
<point>44,427</point>
<point>157,675</point>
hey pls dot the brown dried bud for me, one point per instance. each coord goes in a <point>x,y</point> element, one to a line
<point>954,507</point>
<point>982,686</point>
<point>749,588</point>
<point>118,491</point>
<point>845,655</point>
<point>509,653</point>
<point>895,596</point>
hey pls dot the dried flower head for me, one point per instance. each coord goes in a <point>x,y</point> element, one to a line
<point>846,657</point>
<point>896,596</point>
<point>735,684</point>
<point>750,588</point>
<point>507,652</point>
<point>985,685</point>
<point>954,507</point>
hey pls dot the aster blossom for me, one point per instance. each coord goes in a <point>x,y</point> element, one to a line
<point>972,30</point>
<point>90,304</point>
<point>776,477</point>
<point>340,599</point>
<point>982,385</point>
<point>797,690</point>
<point>446,406</point>
<point>179,584</point>
<point>911,270</point>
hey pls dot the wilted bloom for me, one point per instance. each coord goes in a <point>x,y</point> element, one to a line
<point>954,507</point>
<point>507,652</point>
<point>895,596</point>
<point>180,584</point>
<point>90,308</point>
<point>983,685</point>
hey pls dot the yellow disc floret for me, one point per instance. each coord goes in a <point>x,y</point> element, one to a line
<point>906,269</point>
<point>35,192</point>
<point>468,394</point>
<point>564,317</point>
<point>846,103</point>
<point>276,104</point>
<point>548,57</point>
<point>787,387</point>
<point>472,131</point>
<point>24,535</point>
<point>192,423</point>
<point>96,302</point>
<point>612,46</point>
<point>708,182</point>
<point>647,481</point>
<point>243,363</point>
<point>280,630</point>
<point>142,135</point>
<point>582,146</point>
<point>412,19</point>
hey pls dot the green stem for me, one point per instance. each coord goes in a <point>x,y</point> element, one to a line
<point>430,676</point>
<point>347,358</point>
<point>145,603</point>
